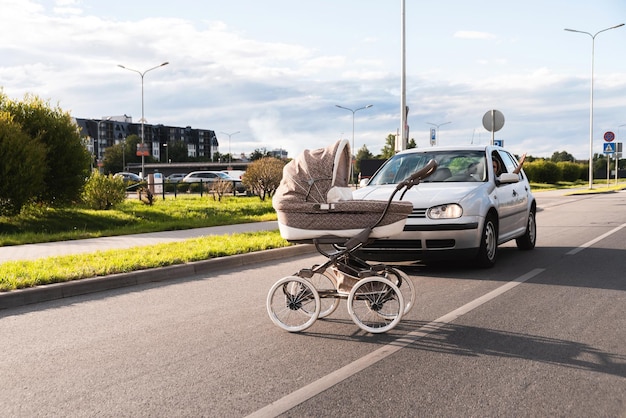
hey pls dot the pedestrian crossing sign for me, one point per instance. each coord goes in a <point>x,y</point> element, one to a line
<point>609,148</point>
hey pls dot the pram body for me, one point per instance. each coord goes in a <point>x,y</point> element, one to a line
<point>314,199</point>
<point>314,205</point>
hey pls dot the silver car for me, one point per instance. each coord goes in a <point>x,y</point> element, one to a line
<point>477,199</point>
<point>207,177</point>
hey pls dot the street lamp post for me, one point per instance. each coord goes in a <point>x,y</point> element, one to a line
<point>437,128</point>
<point>229,135</point>
<point>167,153</point>
<point>593,39</point>
<point>353,151</point>
<point>143,120</point>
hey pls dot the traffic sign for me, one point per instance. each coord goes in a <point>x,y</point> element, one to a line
<point>609,148</point>
<point>498,142</point>
<point>493,120</point>
<point>609,136</point>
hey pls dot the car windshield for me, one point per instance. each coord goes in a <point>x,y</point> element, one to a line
<point>453,166</point>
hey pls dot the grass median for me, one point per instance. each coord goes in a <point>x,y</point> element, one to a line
<point>22,274</point>
<point>41,224</point>
<point>38,224</point>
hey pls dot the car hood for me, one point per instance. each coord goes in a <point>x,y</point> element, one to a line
<point>423,195</point>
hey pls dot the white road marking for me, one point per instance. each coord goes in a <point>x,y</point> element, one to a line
<point>314,388</point>
<point>593,241</point>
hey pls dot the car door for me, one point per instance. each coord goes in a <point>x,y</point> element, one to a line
<point>512,201</point>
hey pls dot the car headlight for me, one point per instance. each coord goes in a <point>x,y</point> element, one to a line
<point>449,211</point>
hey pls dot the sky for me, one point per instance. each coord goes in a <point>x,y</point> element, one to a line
<point>275,70</point>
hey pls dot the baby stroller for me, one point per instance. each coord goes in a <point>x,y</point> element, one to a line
<point>314,205</point>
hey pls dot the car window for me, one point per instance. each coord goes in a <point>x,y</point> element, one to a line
<point>510,163</point>
<point>453,166</point>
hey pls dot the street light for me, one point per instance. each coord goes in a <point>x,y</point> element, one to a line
<point>353,112</point>
<point>229,135</point>
<point>143,120</point>
<point>437,127</point>
<point>593,38</point>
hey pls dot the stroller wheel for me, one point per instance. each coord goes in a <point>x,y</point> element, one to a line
<point>404,283</point>
<point>326,287</point>
<point>293,304</point>
<point>375,304</point>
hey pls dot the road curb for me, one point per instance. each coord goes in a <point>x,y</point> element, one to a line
<point>54,291</point>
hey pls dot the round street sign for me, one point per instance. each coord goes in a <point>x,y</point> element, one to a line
<point>609,136</point>
<point>493,120</point>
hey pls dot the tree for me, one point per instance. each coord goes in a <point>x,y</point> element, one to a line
<point>178,151</point>
<point>257,154</point>
<point>363,154</point>
<point>411,144</point>
<point>389,150</point>
<point>22,165</point>
<point>559,156</point>
<point>67,160</point>
<point>263,176</point>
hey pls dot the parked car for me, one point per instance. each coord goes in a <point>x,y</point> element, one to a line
<point>128,177</point>
<point>175,177</point>
<point>462,210</point>
<point>212,176</point>
<point>236,174</point>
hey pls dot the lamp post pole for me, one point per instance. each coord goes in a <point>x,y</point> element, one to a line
<point>229,135</point>
<point>143,120</point>
<point>437,129</point>
<point>593,39</point>
<point>167,153</point>
<point>353,112</point>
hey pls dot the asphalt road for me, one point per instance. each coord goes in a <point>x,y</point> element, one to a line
<point>540,334</point>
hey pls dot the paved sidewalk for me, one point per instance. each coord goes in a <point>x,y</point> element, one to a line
<point>50,249</point>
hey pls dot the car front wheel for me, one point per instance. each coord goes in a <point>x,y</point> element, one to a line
<point>488,250</point>
<point>527,241</point>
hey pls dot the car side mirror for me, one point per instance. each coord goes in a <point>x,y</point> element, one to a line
<point>508,178</point>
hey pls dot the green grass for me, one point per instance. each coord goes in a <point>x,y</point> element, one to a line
<point>580,187</point>
<point>42,224</point>
<point>23,274</point>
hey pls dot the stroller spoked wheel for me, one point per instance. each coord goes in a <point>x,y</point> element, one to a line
<point>404,283</point>
<point>375,304</point>
<point>293,304</point>
<point>326,286</point>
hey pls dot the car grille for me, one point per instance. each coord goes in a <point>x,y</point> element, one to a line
<point>418,213</point>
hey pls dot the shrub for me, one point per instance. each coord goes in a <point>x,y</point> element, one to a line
<point>220,187</point>
<point>263,176</point>
<point>570,171</point>
<point>22,166</point>
<point>66,159</point>
<point>542,171</point>
<point>103,192</point>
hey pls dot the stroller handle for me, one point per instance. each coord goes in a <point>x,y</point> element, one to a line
<point>418,176</point>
